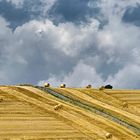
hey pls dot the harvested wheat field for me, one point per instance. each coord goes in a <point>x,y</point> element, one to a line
<point>46,113</point>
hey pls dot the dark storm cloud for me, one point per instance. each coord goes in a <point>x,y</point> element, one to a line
<point>74,10</point>
<point>17,16</point>
<point>132,15</point>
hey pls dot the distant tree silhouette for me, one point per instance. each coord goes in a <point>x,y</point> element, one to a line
<point>108,87</point>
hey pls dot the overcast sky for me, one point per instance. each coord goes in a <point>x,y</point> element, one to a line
<point>77,42</point>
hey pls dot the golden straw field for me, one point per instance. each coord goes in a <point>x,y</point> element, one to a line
<point>47,113</point>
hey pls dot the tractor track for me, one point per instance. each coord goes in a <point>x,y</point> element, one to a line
<point>92,108</point>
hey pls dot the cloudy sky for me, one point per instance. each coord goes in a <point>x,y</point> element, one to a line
<point>77,42</point>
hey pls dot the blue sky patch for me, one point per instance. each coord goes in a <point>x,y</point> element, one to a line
<point>18,16</point>
<point>73,11</point>
<point>132,15</point>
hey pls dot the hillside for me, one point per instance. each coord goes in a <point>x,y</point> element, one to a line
<point>40,113</point>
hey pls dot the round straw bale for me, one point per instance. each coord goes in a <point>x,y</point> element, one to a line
<point>89,86</point>
<point>57,107</point>
<point>1,99</point>
<point>108,135</point>
<point>102,88</point>
<point>125,104</point>
<point>46,85</point>
<point>62,86</point>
